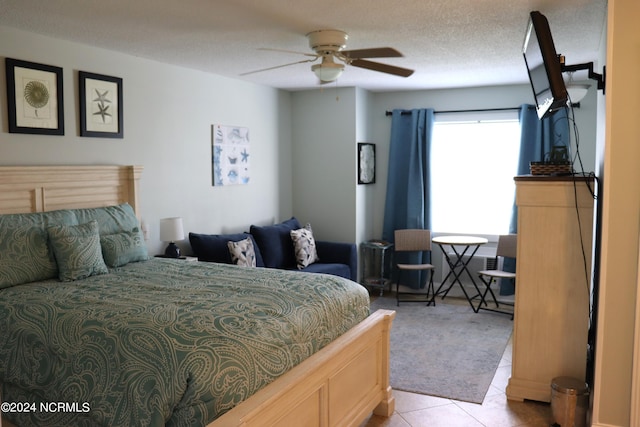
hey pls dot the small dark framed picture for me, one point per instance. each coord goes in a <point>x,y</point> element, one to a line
<point>366,163</point>
<point>100,105</point>
<point>34,98</point>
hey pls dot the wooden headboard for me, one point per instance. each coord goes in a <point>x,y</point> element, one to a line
<point>46,188</point>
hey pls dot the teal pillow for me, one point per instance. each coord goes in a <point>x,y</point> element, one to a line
<point>77,251</point>
<point>25,255</point>
<point>122,248</point>
<point>111,219</point>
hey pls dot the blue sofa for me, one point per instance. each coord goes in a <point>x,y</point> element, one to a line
<point>274,249</point>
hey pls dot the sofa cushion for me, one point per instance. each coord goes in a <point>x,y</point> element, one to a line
<point>304,246</point>
<point>77,250</point>
<point>335,269</point>
<point>214,248</point>
<point>339,253</point>
<point>242,253</point>
<point>274,242</point>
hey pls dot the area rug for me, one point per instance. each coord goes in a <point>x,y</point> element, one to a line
<point>447,350</point>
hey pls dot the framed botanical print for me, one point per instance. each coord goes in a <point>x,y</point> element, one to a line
<point>100,105</point>
<point>366,163</point>
<point>34,98</point>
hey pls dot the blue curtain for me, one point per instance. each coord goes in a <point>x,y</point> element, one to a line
<point>407,199</point>
<point>537,138</point>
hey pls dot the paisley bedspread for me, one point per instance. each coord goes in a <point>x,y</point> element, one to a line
<point>163,342</point>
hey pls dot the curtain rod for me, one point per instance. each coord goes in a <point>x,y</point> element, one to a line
<point>388,113</point>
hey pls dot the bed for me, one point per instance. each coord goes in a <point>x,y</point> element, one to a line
<point>164,312</point>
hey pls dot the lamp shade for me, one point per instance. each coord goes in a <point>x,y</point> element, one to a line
<point>171,229</point>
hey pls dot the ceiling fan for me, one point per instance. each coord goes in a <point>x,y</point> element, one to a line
<point>328,46</point>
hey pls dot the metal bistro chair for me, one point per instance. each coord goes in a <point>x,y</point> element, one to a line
<point>507,248</point>
<point>414,241</point>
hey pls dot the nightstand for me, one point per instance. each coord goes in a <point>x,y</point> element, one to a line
<point>183,258</point>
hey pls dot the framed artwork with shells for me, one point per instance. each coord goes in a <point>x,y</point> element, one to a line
<point>100,105</point>
<point>230,155</point>
<point>34,98</point>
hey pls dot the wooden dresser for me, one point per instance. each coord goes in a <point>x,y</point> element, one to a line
<point>553,268</point>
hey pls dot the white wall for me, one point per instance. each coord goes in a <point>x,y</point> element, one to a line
<point>168,113</point>
<point>324,176</point>
<point>365,193</point>
<point>328,123</point>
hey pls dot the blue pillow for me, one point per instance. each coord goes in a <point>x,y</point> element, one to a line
<point>274,242</point>
<point>213,247</point>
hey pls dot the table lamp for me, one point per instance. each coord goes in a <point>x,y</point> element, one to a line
<point>171,230</point>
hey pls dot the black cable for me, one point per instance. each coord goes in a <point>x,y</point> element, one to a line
<point>588,279</point>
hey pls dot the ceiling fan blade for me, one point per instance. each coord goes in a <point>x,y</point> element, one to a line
<point>377,52</point>
<point>289,51</point>
<point>277,66</point>
<point>383,68</point>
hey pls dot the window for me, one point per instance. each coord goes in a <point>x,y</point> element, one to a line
<point>474,158</point>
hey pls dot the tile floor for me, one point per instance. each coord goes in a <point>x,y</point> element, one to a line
<point>417,410</point>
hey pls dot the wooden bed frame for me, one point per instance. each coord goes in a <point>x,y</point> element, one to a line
<point>339,386</point>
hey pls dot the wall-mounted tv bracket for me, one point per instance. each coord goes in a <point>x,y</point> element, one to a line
<point>600,78</point>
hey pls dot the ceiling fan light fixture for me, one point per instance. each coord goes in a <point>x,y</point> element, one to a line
<point>327,40</point>
<point>328,71</point>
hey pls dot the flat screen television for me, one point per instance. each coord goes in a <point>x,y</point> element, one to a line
<point>543,66</point>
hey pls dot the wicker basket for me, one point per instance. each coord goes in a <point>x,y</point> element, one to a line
<point>547,168</point>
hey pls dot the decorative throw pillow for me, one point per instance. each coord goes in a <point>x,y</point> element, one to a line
<point>25,253</point>
<point>274,243</point>
<point>305,246</point>
<point>242,253</point>
<point>77,250</point>
<point>122,248</point>
<point>111,219</point>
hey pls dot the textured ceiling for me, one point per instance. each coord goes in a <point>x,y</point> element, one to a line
<point>450,43</point>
